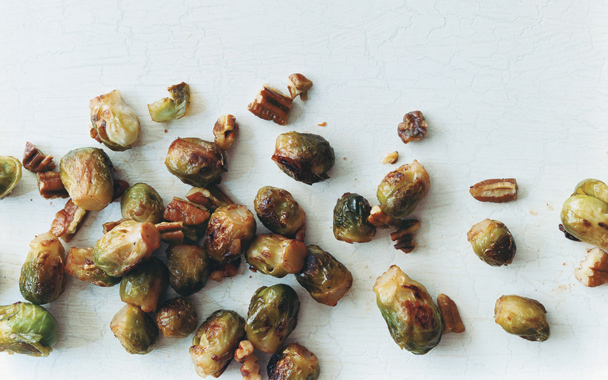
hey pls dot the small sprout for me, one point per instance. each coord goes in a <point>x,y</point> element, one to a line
<point>402,189</point>
<point>413,127</point>
<point>351,215</point>
<point>250,370</point>
<point>144,286</point>
<point>449,315</point>
<point>404,235</point>
<point>193,216</point>
<point>171,108</point>
<point>50,185</point>
<point>176,318</point>
<point>188,268</point>
<point>225,131</point>
<point>276,255</point>
<point>279,212</point>
<point>211,197</point>
<point>27,329</point>
<point>271,104</point>
<point>171,233</point>
<point>495,190</point>
<point>293,361</point>
<point>196,162</point>
<point>10,174</point>
<point>305,157</point>
<point>135,330</point>
<point>391,158</point>
<point>42,278</point>
<point>522,316</point>
<point>35,161</point>
<point>492,242</point>
<point>142,203</point>
<point>113,122</point>
<point>229,232</point>
<point>80,264</point>
<point>594,269</point>
<point>299,85</point>
<point>585,214</point>
<point>68,221</point>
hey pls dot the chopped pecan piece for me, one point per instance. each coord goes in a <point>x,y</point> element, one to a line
<point>35,161</point>
<point>404,235</point>
<point>68,221</point>
<point>225,131</point>
<point>244,354</point>
<point>567,234</point>
<point>221,271</point>
<point>391,158</point>
<point>299,85</point>
<point>380,219</point>
<point>449,315</point>
<point>211,197</point>
<point>181,210</point>
<point>171,232</point>
<point>109,226</point>
<point>120,187</point>
<point>271,104</point>
<point>50,185</point>
<point>594,269</point>
<point>495,190</point>
<point>413,127</point>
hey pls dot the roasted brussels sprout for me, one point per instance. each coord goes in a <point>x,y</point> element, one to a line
<point>326,279</point>
<point>135,330</point>
<point>293,362</point>
<point>42,278</point>
<point>215,341</point>
<point>272,316</point>
<point>80,264</point>
<point>142,203</point>
<point>585,214</point>
<point>145,285</point>
<point>492,242</point>
<point>279,212</point>
<point>592,187</point>
<point>125,246</point>
<point>171,108</point>
<point>176,318</point>
<point>402,189</point>
<point>229,232</point>
<point>350,219</point>
<point>305,157</point>
<point>276,255</point>
<point>87,174</point>
<point>10,174</point>
<point>522,316</point>
<point>412,317</point>
<point>27,329</point>
<point>196,162</point>
<point>188,268</point>
<point>114,123</point>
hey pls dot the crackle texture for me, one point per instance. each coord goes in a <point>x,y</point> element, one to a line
<point>509,89</point>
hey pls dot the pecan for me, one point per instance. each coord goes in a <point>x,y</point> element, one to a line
<point>35,161</point>
<point>120,187</point>
<point>449,315</point>
<point>181,210</point>
<point>495,190</point>
<point>380,219</point>
<point>68,221</point>
<point>299,85</point>
<point>109,226</point>
<point>567,234</point>
<point>211,197</point>
<point>171,232</point>
<point>404,235</point>
<point>50,185</point>
<point>391,158</point>
<point>413,127</point>
<point>225,131</point>
<point>221,271</point>
<point>594,269</point>
<point>271,104</point>
<point>244,354</point>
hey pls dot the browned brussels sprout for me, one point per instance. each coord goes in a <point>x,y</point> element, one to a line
<point>80,264</point>
<point>522,316</point>
<point>145,285</point>
<point>276,255</point>
<point>350,219</point>
<point>293,362</point>
<point>326,279</point>
<point>135,330</point>
<point>171,108</point>
<point>142,203</point>
<point>113,122</point>
<point>42,278</point>
<point>27,329</point>
<point>189,268</point>
<point>229,232</point>
<point>196,162</point>
<point>585,214</point>
<point>402,189</point>
<point>10,174</point>
<point>492,242</point>
<point>176,318</point>
<point>279,212</point>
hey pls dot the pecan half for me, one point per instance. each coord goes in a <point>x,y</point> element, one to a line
<point>299,85</point>
<point>211,197</point>
<point>594,269</point>
<point>244,354</point>
<point>391,158</point>
<point>567,234</point>
<point>120,187</point>
<point>413,127</point>
<point>225,131</point>
<point>495,190</point>
<point>404,235</point>
<point>271,104</point>
<point>449,315</point>
<point>181,210</point>
<point>221,271</point>
<point>50,185</point>
<point>68,221</point>
<point>35,161</point>
<point>171,232</point>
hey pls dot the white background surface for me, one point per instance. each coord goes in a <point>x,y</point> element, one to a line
<point>513,89</point>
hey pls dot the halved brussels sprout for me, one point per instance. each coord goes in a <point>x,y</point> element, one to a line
<point>215,341</point>
<point>522,316</point>
<point>145,285</point>
<point>412,317</point>
<point>326,279</point>
<point>42,278</point>
<point>125,246</point>
<point>293,362</point>
<point>87,174</point>
<point>402,189</point>
<point>188,268</point>
<point>196,162</point>
<point>135,330</point>
<point>176,318</point>
<point>350,219</point>
<point>229,232</point>
<point>27,329</point>
<point>171,108</point>
<point>114,123</point>
<point>585,214</point>
<point>276,255</point>
<point>272,316</point>
<point>305,157</point>
<point>10,174</point>
<point>279,212</point>
<point>80,264</point>
<point>142,203</point>
<point>492,242</point>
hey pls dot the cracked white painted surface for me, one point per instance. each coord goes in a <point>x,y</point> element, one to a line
<point>515,89</point>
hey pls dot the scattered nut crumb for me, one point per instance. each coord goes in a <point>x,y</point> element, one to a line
<point>549,207</point>
<point>533,213</point>
<point>165,131</point>
<point>322,124</point>
<point>391,158</point>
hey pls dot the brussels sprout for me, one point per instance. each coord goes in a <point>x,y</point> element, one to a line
<point>196,162</point>
<point>293,362</point>
<point>145,285</point>
<point>135,330</point>
<point>279,212</point>
<point>42,278</point>
<point>87,174</point>
<point>272,316</point>
<point>215,341</point>
<point>142,203</point>
<point>350,219</point>
<point>492,242</point>
<point>402,189</point>
<point>412,317</point>
<point>276,255</point>
<point>27,329</point>
<point>188,268</point>
<point>171,108</point>
<point>326,279</point>
<point>585,214</point>
<point>229,232</point>
<point>176,318</point>
<point>114,123</point>
<point>592,187</point>
<point>80,264</point>
<point>10,174</point>
<point>304,157</point>
<point>522,316</point>
<point>125,246</point>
